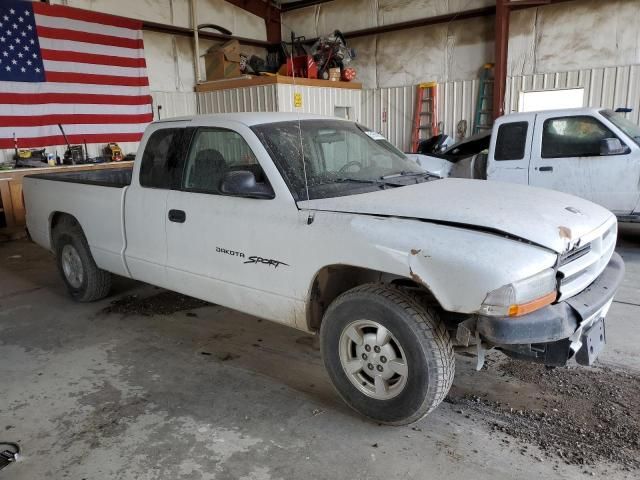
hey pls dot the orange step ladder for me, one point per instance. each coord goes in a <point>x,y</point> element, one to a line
<point>426,113</point>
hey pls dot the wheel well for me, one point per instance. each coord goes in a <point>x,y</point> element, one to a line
<point>56,219</point>
<point>333,280</point>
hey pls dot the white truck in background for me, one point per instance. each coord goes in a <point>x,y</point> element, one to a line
<point>320,224</point>
<point>588,152</point>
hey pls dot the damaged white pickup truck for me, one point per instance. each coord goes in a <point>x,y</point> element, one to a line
<point>393,267</point>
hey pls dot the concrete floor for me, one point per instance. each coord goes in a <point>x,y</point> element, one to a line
<point>95,395</point>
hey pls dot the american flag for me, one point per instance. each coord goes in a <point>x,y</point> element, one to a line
<point>62,65</point>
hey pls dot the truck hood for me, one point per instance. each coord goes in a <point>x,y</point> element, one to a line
<point>548,218</point>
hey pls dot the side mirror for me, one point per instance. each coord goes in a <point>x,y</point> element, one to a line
<point>242,183</point>
<point>612,146</point>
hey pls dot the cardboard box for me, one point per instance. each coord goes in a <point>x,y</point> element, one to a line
<point>223,61</point>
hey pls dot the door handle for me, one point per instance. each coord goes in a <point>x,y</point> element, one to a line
<point>178,216</point>
<point>546,169</point>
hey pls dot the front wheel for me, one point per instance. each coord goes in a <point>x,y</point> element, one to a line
<point>388,355</point>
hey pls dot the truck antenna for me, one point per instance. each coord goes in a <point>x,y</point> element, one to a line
<point>311,216</point>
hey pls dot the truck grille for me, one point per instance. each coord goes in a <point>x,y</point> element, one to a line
<point>580,266</point>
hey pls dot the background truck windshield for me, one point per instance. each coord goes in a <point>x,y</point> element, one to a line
<point>341,158</point>
<point>624,124</point>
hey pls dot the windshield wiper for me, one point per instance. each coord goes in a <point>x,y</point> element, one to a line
<point>409,174</point>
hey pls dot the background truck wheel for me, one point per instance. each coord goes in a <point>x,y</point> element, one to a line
<point>389,356</point>
<point>84,280</point>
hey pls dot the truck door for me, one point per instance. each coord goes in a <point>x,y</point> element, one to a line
<point>509,150</point>
<point>569,155</point>
<point>230,249</point>
<point>156,172</point>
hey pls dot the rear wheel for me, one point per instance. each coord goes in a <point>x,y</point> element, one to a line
<point>389,356</point>
<point>84,280</point>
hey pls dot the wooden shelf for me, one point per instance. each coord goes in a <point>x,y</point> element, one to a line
<point>250,81</point>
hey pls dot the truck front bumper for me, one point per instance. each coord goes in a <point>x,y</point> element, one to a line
<point>555,333</point>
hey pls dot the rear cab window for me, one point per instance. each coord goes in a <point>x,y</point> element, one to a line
<point>511,141</point>
<point>163,158</point>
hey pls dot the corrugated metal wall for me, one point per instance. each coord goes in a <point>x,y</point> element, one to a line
<point>390,110</point>
<point>261,98</point>
<point>279,98</point>
<point>610,87</point>
<point>174,104</point>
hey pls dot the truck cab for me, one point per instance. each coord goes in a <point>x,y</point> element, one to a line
<point>587,152</point>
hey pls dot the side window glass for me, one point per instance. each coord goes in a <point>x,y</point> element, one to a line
<point>511,141</point>
<point>579,136</point>
<point>213,153</point>
<point>162,157</point>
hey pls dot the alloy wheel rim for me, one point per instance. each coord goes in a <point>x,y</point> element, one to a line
<point>373,359</point>
<point>72,266</point>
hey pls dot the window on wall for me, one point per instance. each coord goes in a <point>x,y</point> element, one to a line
<point>511,141</point>
<point>534,101</point>
<point>163,157</point>
<point>579,136</point>
<point>215,152</point>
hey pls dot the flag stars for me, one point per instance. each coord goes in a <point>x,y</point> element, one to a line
<point>11,47</point>
<point>24,34</point>
<point>29,27</point>
<point>15,26</point>
<point>5,18</point>
<point>21,19</point>
<point>32,41</point>
<point>15,62</point>
<point>8,68</point>
<point>3,39</point>
<point>18,40</point>
<point>5,53</point>
<point>12,11</point>
<point>20,55</point>
<point>23,70</point>
<point>29,62</point>
<point>37,70</point>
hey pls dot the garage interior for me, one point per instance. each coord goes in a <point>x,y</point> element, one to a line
<point>151,384</point>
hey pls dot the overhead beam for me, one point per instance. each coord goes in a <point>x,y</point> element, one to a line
<point>287,7</point>
<point>265,10</point>
<point>188,32</point>
<point>437,19</point>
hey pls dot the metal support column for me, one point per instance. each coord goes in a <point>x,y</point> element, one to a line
<point>501,54</point>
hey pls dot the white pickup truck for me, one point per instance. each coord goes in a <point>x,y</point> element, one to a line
<point>392,266</point>
<point>589,152</point>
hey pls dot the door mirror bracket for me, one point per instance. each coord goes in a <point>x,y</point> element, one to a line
<point>242,183</point>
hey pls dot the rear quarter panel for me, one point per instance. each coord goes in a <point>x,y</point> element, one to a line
<point>98,210</point>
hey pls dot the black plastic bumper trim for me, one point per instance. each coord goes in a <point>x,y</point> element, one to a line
<point>555,322</point>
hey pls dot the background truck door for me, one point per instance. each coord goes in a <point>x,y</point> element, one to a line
<point>509,150</point>
<point>567,157</point>
<point>231,249</point>
<point>156,172</point>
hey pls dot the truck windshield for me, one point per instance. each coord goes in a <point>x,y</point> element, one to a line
<point>624,124</point>
<point>340,158</point>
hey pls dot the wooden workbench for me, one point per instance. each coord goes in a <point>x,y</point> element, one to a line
<point>11,203</point>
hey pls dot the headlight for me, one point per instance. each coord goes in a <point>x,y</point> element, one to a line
<point>522,297</point>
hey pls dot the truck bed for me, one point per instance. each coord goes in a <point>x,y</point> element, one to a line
<point>94,198</point>
<point>114,177</point>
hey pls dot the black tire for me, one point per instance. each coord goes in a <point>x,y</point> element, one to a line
<point>96,283</point>
<point>423,338</point>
